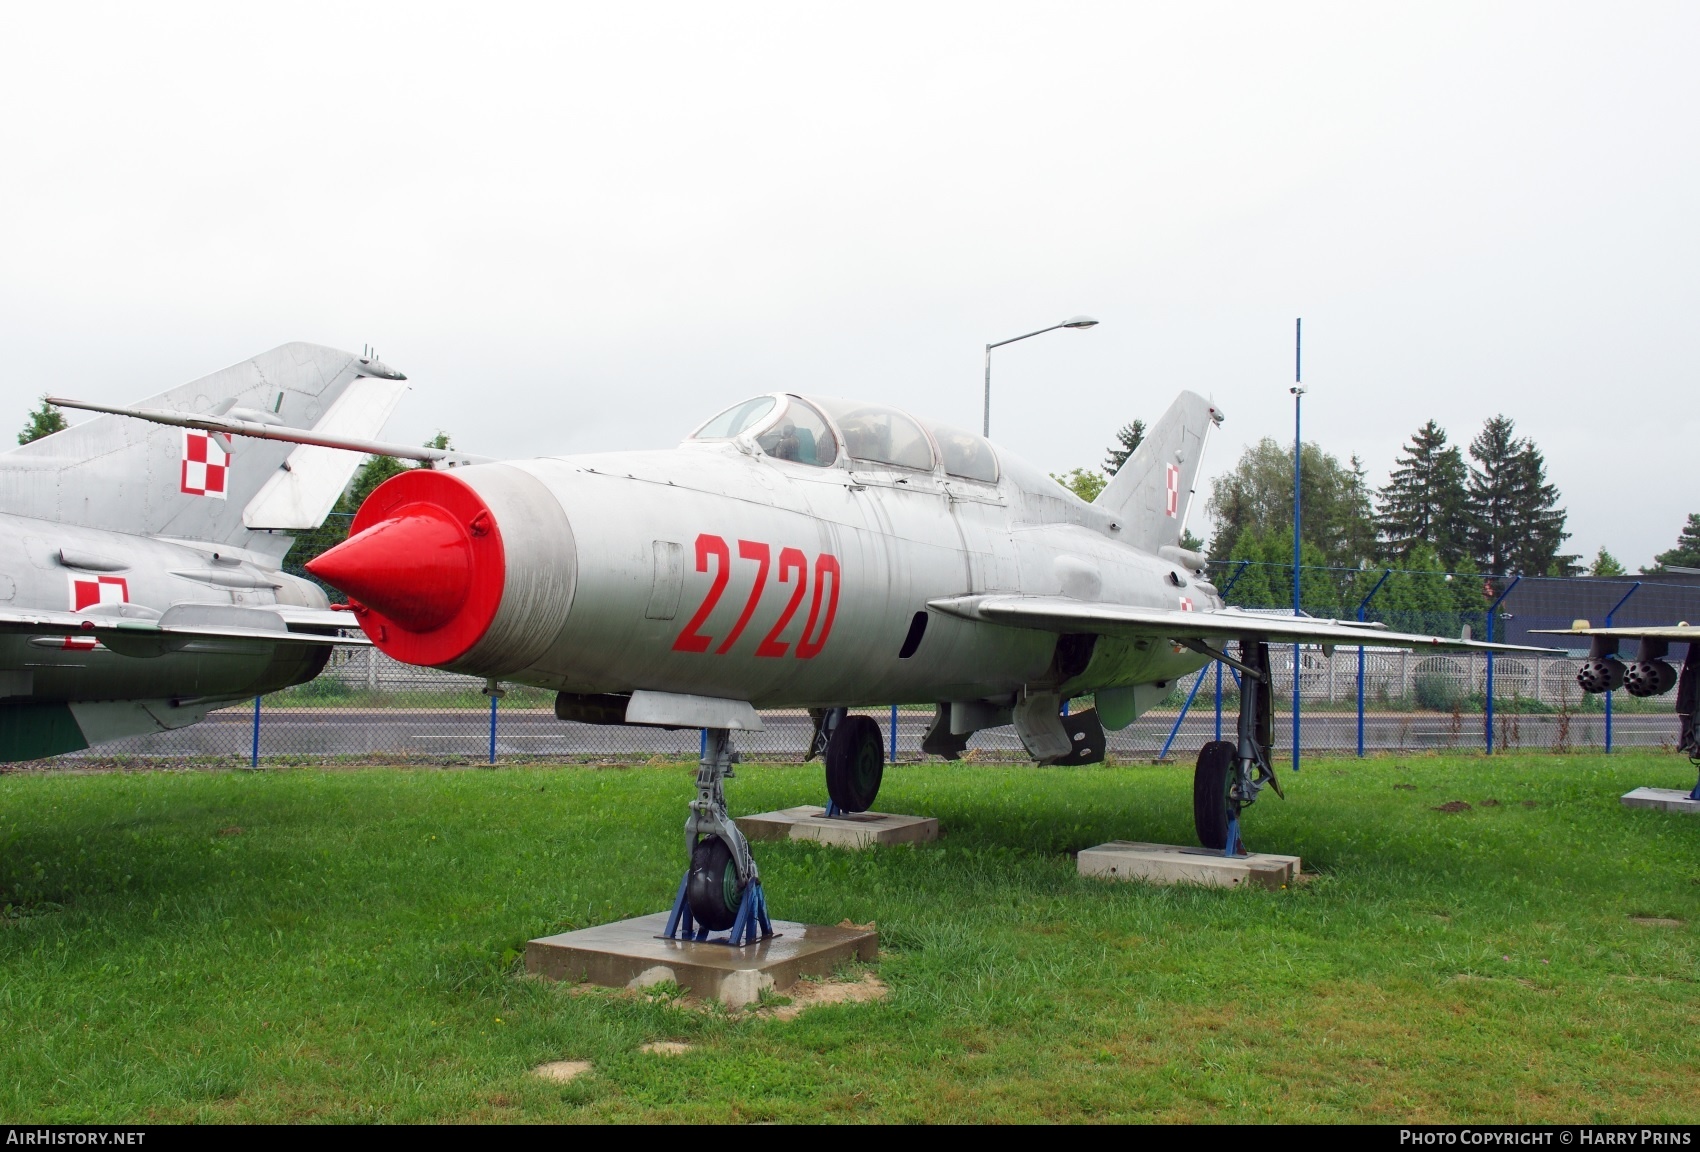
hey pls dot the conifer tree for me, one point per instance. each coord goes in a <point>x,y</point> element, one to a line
<point>1515,523</point>
<point>1541,519</point>
<point>1490,495</point>
<point>1605,564</point>
<point>44,421</point>
<point>1423,503</point>
<point>1128,438</point>
<point>1686,554</point>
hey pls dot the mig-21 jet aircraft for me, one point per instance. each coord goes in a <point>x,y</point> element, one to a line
<point>804,552</point>
<point>140,585</point>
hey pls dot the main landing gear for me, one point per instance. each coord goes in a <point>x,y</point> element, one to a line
<point>722,889</point>
<point>1228,776</point>
<point>855,759</point>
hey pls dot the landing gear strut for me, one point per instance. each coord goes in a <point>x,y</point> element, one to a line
<point>1228,776</point>
<point>1688,710</point>
<point>722,888</point>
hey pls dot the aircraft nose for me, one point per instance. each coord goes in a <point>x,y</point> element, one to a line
<point>415,569</point>
<point>423,567</point>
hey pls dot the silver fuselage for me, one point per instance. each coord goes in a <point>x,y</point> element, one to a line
<point>899,538</point>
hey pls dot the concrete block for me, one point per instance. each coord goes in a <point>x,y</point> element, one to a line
<point>631,954</point>
<point>1171,864</point>
<point>810,822</point>
<point>1664,799</point>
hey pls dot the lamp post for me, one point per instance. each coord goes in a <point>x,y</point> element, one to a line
<point>1298,449</point>
<point>1072,322</point>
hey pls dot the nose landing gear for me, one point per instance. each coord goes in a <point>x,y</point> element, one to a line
<point>1228,776</point>
<point>722,888</point>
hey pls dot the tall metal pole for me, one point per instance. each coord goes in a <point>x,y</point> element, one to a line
<point>1634,589</point>
<point>1364,604</point>
<point>986,411</point>
<point>1298,449</point>
<point>1487,688</point>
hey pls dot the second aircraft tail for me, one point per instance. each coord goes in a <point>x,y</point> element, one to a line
<point>127,475</point>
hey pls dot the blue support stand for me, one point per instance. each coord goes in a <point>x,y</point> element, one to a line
<point>751,926</point>
<point>1236,844</point>
<point>254,761</point>
<point>1634,588</point>
<point>1164,754</point>
<point>1487,694</point>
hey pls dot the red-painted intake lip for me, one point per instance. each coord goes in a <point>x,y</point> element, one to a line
<point>423,567</point>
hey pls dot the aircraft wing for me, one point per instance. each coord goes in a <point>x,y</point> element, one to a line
<point>1064,614</point>
<point>177,628</point>
<point>1678,632</point>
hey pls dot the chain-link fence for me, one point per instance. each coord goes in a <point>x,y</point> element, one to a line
<point>366,707</point>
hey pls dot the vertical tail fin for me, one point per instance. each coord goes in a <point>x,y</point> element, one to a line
<point>1153,492</point>
<point>128,475</point>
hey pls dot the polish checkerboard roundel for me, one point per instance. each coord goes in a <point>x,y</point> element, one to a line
<point>1173,480</point>
<point>206,465</point>
<point>92,591</point>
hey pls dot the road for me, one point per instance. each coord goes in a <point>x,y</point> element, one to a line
<point>463,733</point>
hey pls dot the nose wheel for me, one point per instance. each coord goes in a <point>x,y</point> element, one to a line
<point>722,888</point>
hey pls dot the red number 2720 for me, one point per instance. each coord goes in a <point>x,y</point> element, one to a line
<point>793,569</point>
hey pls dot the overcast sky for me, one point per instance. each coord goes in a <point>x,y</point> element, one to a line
<point>582,227</point>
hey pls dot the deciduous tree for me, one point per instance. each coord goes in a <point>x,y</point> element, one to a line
<point>1258,496</point>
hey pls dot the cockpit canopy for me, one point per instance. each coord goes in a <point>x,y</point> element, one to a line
<point>791,428</point>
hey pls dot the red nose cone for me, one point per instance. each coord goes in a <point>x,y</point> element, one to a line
<point>415,569</point>
<point>423,566</point>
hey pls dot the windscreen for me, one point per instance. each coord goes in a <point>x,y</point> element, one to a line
<point>735,419</point>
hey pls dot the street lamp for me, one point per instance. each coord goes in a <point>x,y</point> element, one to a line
<point>1072,322</point>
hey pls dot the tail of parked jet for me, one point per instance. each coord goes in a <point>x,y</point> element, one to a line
<point>128,475</point>
<point>1154,490</point>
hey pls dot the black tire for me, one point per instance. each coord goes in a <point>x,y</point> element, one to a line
<point>1212,806</point>
<point>713,891</point>
<point>855,764</point>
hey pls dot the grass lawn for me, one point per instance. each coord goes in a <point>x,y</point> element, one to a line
<point>304,944</point>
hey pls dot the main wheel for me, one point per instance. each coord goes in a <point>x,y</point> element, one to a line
<point>1213,804</point>
<point>855,764</point>
<point>713,891</point>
